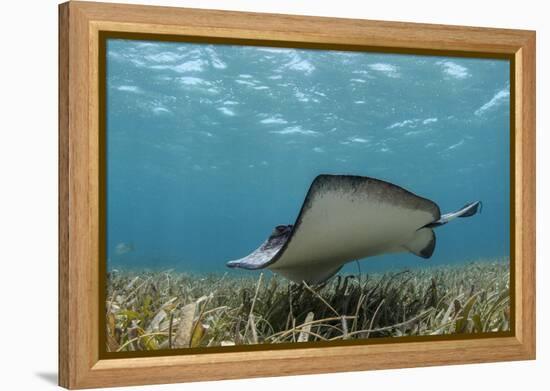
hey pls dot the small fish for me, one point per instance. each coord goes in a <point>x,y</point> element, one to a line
<point>124,248</point>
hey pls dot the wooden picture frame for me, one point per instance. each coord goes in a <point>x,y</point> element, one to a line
<point>80,198</point>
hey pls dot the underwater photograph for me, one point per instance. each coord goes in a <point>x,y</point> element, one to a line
<point>259,195</point>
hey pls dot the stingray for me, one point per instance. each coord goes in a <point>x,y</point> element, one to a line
<point>345,218</point>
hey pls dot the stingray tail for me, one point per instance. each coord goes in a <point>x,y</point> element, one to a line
<point>466,211</point>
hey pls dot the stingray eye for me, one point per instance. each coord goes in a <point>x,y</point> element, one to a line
<point>279,230</point>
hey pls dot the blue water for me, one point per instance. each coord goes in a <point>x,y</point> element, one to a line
<point>210,146</point>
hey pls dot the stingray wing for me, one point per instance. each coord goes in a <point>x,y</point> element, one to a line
<point>266,253</point>
<point>348,217</point>
<point>259,258</point>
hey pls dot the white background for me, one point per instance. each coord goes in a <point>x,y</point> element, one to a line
<point>28,194</point>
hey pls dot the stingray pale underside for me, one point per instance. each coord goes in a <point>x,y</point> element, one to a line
<point>344,218</point>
